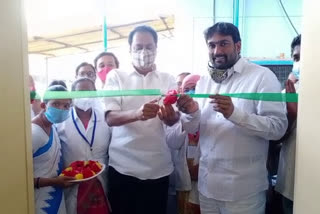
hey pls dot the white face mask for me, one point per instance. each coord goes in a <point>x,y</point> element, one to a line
<point>296,70</point>
<point>143,58</point>
<point>84,103</point>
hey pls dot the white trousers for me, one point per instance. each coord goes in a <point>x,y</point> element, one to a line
<point>252,205</point>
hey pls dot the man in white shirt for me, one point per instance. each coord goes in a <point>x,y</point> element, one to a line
<point>234,133</point>
<point>179,80</point>
<point>86,70</point>
<point>139,158</point>
<point>286,169</point>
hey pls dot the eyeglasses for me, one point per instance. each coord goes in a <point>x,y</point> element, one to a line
<point>87,74</point>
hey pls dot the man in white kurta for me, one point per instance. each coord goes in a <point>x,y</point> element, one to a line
<point>140,160</point>
<point>234,133</point>
<point>286,169</point>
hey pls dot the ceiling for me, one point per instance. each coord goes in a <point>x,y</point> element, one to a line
<point>91,39</point>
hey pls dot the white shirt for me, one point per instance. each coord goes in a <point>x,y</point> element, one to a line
<point>179,154</point>
<point>139,149</point>
<point>180,142</point>
<point>286,168</point>
<point>234,150</point>
<point>99,83</point>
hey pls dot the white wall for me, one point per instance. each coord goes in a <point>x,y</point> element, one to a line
<point>307,186</point>
<point>191,19</point>
<point>264,28</point>
<point>63,68</point>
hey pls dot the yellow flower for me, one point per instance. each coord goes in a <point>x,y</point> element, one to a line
<point>79,176</point>
<point>68,169</point>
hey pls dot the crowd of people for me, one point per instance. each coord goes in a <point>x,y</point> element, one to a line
<point>200,155</point>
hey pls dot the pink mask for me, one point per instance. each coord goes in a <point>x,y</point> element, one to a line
<point>103,73</point>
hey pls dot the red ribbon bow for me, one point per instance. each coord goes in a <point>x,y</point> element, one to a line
<point>171,97</point>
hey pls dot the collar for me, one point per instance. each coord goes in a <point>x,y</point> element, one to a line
<point>76,117</point>
<point>239,66</point>
<point>153,72</point>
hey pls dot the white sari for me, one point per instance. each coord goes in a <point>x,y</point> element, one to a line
<point>47,163</point>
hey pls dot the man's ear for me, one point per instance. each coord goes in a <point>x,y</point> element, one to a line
<point>238,47</point>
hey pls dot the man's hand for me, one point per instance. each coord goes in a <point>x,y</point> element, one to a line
<point>168,115</point>
<point>186,104</point>
<point>222,104</point>
<point>292,108</point>
<point>148,111</point>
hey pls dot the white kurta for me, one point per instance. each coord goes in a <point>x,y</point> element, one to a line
<point>139,149</point>
<point>286,168</point>
<point>180,153</point>
<point>47,163</point>
<point>234,150</point>
<point>74,148</point>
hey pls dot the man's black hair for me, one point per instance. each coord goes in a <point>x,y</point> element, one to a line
<point>225,29</point>
<point>58,82</point>
<point>145,29</point>
<point>83,64</point>
<point>77,81</point>
<point>106,54</point>
<point>295,42</point>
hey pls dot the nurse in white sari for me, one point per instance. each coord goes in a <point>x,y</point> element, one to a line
<point>85,136</point>
<point>47,156</point>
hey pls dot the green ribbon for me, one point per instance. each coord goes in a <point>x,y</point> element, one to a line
<point>32,95</point>
<point>273,97</point>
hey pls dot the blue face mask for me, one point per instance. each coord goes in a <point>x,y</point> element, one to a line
<point>192,91</point>
<point>296,70</point>
<point>55,115</point>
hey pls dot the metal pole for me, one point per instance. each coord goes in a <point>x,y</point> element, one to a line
<point>236,12</point>
<point>105,33</point>
<point>104,27</point>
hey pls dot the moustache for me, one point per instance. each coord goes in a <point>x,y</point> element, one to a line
<point>218,55</point>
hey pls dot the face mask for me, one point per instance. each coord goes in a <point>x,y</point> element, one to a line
<point>143,58</point>
<point>296,70</point>
<point>55,115</point>
<point>103,73</point>
<point>217,75</point>
<point>192,91</point>
<point>84,103</point>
